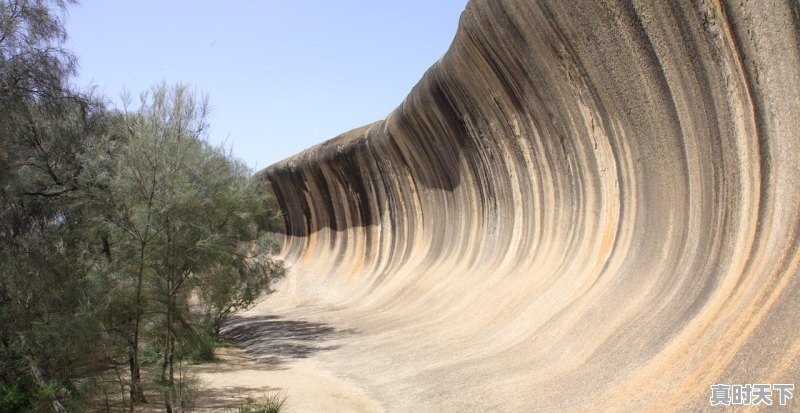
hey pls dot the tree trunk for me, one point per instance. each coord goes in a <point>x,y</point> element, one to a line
<point>121,385</point>
<point>168,356</point>
<point>137,393</point>
<point>217,328</point>
<point>167,379</point>
<point>172,369</point>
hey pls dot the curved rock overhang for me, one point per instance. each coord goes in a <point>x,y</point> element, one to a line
<point>598,200</point>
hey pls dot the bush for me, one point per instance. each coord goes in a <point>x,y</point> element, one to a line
<point>201,350</point>
<point>269,404</point>
<point>13,398</point>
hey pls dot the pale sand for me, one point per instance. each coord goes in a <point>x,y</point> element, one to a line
<point>290,354</point>
<point>307,383</point>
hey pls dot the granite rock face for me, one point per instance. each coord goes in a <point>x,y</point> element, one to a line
<point>582,205</point>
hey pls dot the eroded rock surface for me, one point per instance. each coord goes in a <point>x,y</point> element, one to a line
<point>583,205</point>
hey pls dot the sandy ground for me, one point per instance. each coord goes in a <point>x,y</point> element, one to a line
<point>307,382</point>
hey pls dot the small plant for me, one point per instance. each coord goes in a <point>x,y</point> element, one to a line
<point>188,388</point>
<point>273,403</point>
<point>199,350</point>
<point>13,397</point>
<point>204,351</point>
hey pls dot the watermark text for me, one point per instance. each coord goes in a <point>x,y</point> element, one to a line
<point>751,394</point>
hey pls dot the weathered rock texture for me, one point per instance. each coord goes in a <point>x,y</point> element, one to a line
<point>583,205</point>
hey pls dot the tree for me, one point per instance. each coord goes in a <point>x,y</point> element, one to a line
<point>227,289</point>
<point>181,218</point>
<point>34,64</point>
<point>47,339</point>
<point>117,230</point>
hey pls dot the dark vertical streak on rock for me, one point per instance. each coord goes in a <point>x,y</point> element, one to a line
<point>594,198</point>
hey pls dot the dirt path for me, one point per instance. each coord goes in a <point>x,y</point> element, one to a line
<point>278,355</point>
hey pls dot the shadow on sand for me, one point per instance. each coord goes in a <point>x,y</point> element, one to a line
<point>274,340</point>
<point>261,344</point>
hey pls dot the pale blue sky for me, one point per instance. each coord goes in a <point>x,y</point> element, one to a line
<point>281,75</point>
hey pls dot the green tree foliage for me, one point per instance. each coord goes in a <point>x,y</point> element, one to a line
<point>181,219</point>
<point>34,63</point>
<point>120,232</point>
<point>46,338</point>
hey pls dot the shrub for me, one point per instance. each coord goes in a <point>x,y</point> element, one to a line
<point>273,403</point>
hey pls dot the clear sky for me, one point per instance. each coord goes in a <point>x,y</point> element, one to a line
<point>281,75</point>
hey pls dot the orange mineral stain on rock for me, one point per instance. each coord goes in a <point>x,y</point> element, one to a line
<point>581,206</point>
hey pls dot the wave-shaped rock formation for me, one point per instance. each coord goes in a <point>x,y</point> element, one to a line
<point>583,205</point>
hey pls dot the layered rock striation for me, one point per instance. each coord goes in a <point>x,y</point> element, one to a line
<point>581,205</point>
